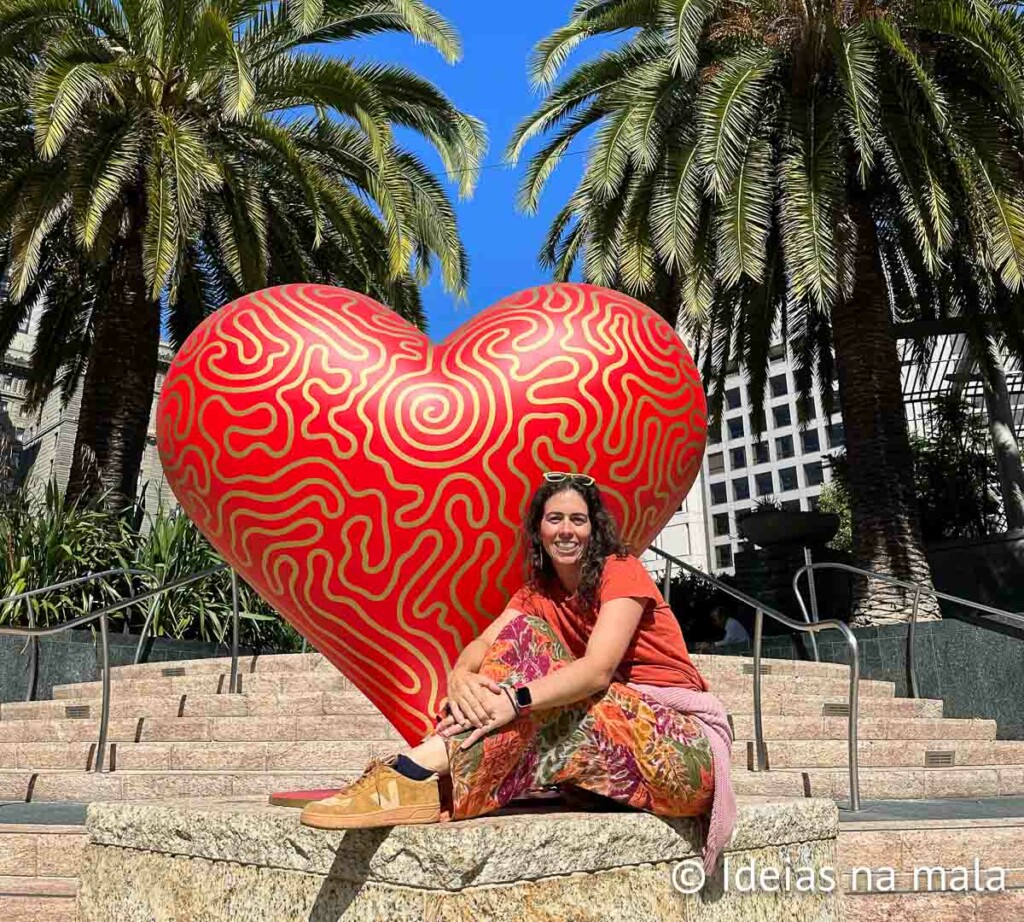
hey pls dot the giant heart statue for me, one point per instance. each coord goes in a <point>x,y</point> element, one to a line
<point>371,485</point>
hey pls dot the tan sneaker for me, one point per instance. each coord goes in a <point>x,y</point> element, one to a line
<point>379,797</point>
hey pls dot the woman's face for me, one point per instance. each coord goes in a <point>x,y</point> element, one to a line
<point>565,528</point>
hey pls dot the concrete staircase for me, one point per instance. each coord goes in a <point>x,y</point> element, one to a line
<point>175,732</point>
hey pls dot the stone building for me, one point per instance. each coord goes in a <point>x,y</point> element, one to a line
<point>44,441</point>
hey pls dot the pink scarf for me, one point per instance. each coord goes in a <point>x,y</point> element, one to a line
<point>707,710</point>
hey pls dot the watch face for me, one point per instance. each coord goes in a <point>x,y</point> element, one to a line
<point>523,697</point>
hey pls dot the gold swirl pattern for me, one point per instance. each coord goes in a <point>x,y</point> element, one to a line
<point>371,485</point>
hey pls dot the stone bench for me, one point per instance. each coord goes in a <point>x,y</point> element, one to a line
<point>243,861</point>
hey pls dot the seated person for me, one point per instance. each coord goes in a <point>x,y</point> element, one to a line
<point>725,621</point>
<point>584,681</point>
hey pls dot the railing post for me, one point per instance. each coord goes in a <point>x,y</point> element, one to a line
<point>852,727</point>
<point>33,655</point>
<point>666,585</point>
<point>146,625</point>
<point>911,631</point>
<point>760,753</point>
<point>233,685</point>
<point>101,746</point>
<point>814,599</point>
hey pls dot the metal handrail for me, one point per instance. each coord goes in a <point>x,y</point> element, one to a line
<point>33,665</point>
<point>101,616</point>
<point>917,589</point>
<point>760,610</point>
<point>233,681</point>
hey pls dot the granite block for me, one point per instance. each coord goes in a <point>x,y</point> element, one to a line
<point>243,862</point>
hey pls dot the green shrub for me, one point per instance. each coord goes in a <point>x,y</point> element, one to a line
<point>45,540</point>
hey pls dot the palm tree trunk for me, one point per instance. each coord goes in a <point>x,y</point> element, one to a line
<point>1004,436</point>
<point>886,528</point>
<point>117,393</point>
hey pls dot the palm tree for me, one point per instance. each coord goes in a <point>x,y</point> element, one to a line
<point>813,167</point>
<point>163,156</point>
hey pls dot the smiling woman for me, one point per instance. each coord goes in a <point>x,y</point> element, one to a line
<point>583,682</point>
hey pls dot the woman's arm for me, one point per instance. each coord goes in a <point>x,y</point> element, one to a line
<point>471,697</point>
<point>617,622</point>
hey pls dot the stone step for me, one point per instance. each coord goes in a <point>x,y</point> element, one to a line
<point>801,753</point>
<point>376,727</point>
<point>304,683</point>
<point>37,900</point>
<point>868,728</point>
<point>248,756</point>
<point>913,850</point>
<point>201,729</point>
<point>39,867</point>
<point>321,755</point>
<point>353,702</point>
<point>247,665</point>
<point>885,783</point>
<point>312,704</point>
<point>293,663</point>
<point>876,783</point>
<point>36,850</point>
<point>79,786</point>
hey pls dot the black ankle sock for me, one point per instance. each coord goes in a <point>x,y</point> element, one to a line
<point>405,766</point>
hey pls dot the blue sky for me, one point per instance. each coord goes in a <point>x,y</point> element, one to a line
<point>491,83</point>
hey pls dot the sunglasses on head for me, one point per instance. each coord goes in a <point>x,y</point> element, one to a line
<point>561,477</point>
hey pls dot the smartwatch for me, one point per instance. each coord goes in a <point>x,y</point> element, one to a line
<point>524,700</point>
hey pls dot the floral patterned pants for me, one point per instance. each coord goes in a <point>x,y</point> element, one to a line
<point>619,744</point>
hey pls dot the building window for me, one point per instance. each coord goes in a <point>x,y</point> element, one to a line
<point>716,463</point>
<point>738,458</point>
<point>813,502</point>
<point>836,435</point>
<point>813,474</point>
<point>740,489</point>
<point>777,352</point>
<point>791,505</point>
<point>782,416</point>
<point>810,442</point>
<point>812,411</point>
<point>718,495</point>
<point>763,484</point>
<point>720,523</point>
<point>715,436</point>
<point>6,382</point>
<point>778,385</point>
<point>723,556</point>
<point>735,427</point>
<point>761,453</point>
<point>732,398</point>
<point>784,447</point>
<point>788,479</point>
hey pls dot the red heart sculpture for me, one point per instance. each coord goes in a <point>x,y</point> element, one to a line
<point>371,485</point>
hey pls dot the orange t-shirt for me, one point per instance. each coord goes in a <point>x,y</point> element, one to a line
<point>657,653</point>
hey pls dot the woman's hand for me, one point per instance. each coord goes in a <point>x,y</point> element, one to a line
<point>472,698</point>
<point>504,712</point>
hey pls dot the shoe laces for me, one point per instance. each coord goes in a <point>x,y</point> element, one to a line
<point>373,769</point>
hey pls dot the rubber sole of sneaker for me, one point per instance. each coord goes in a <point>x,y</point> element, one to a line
<point>404,816</point>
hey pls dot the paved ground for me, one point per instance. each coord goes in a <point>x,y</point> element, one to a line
<point>43,814</point>
<point>986,809</point>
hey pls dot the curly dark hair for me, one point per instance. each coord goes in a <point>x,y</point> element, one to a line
<point>604,541</point>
